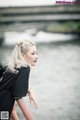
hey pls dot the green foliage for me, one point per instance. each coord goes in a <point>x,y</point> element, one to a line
<point>65,27</point>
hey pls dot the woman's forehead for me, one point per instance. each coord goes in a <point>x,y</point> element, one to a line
<point>32,48</point>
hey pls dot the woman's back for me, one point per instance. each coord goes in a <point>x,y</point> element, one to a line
<point>13,86</point>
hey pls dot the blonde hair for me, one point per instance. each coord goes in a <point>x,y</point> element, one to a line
<point>17,59</point>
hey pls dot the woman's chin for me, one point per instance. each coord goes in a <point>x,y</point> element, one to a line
<point>33,64</point>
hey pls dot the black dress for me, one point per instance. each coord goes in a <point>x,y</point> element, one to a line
<point>13,86</point>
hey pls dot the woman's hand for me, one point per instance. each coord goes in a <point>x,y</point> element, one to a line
<point>32,98</point>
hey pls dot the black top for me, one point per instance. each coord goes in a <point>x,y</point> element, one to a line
<point>2,69</point>
<point>13,86</point>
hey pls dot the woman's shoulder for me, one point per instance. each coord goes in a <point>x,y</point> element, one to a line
<point>24,68</point>
<point>18,70</point>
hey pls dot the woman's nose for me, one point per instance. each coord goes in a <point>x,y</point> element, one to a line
<point>36,56</point>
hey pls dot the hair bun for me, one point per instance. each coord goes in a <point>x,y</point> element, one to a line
<point>19,44</point>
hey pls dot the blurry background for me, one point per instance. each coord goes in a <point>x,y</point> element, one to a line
<point>56,30</point>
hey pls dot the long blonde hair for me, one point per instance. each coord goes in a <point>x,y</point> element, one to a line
<point>17,59</point>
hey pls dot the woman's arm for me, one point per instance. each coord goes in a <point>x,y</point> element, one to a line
<point>14,115</point>
<point>24,109</point>
<point>32,97</point>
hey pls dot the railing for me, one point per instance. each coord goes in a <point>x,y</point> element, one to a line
<point>21,18</point>
<point>39,14</point>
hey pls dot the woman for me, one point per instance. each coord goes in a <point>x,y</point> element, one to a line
<point>14,84</point>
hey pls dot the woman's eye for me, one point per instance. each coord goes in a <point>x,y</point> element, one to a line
<point>32,53</point>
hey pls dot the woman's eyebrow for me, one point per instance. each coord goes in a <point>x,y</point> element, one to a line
<point>34,51</point>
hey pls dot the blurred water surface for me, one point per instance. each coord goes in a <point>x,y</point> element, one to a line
<point>55,80</point>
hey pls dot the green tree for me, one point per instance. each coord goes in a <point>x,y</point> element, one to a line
<point>77,0</point>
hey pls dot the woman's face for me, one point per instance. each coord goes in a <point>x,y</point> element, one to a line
<point>31,56</point>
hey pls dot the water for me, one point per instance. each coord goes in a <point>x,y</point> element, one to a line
<point>55,80</point>
<point>12,37</point>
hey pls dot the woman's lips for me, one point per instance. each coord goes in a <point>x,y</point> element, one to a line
<point>35,60</point>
